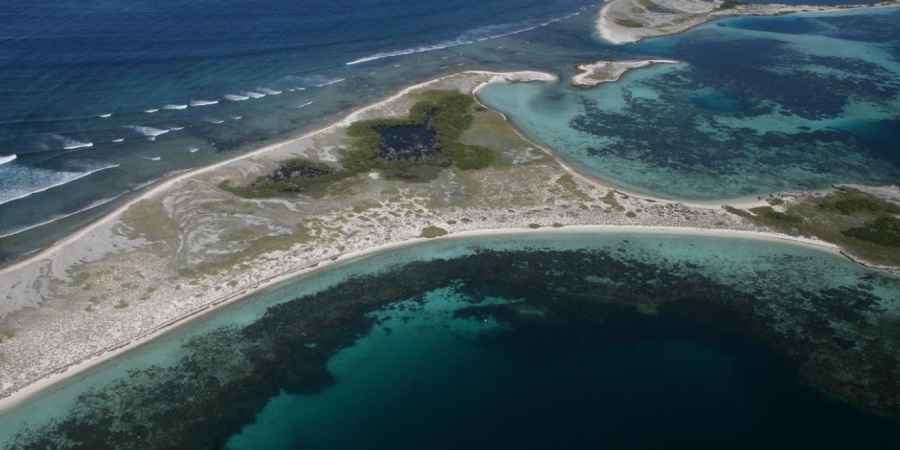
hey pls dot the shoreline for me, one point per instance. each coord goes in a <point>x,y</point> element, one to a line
<point>740,202</point>
<point>43,383</point>
<point>347,120</point>
<point>618,69</point>
<point>620,35</point>
<point>53,379</point>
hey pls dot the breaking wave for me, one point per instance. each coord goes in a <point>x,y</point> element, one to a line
<point>18,181</point>
<point>72,144</point>
<point>469,37</point>
<point>203,102</point>
<point>93,205</point>
<point>150,132</point>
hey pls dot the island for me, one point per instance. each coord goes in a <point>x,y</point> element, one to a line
<point>625,21</point>
<point>429,162</point>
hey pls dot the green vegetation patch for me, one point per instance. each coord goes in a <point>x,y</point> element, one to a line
<point>851,201</point>
<point>610,199</point>
<point>862,224</point>
<point>884,231</point>
<point>292,176</point>
<point>430,135</point>
<point>432,232</point>
<point>768,216</point>
<point>728,4</point>
<point>649,4</point>
<point>629,23</point>
<point>447,114</point>
<point>148,219</point>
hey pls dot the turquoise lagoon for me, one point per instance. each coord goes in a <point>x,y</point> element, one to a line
<point>533,341</point>
<point>758,105</point>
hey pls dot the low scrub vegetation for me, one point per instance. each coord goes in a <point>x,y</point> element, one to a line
<point>444,115</point>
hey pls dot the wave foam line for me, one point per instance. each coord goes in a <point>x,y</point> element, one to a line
<point>252,94</point>
<point>330,82</point>
<point>105,115</point>
<point>175,107</point>
<point>18,184</point>
<point>305,105</point>
<point>145,184</point>
<point>470,37</point>
<point>93,205</point>
<point>236,98</point>
<point>151,111</point>
<point>7,159</point>
<point>72,144</point>
<point>150,132</point>
<point>203,102</point>
<point>270,91</point>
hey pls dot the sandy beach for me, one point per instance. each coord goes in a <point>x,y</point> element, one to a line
<point>61,375</point>
<point>627,21</point>
<point>555,193</point>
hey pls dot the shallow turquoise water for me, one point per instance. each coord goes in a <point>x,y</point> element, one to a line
<point>483,343</point>
<point>759,105</point>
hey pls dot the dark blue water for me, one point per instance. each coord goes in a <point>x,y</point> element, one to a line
<point>592,378</point>
<point>511,342</point>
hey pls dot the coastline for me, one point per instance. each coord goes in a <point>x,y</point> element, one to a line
<point>48,381</point>
<point>741,202</point>
<point>615,70</point>
<point>692,14</point>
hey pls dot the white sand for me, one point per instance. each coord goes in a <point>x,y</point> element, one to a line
<point>66,373</point>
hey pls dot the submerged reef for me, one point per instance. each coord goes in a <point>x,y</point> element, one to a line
<point>842,335</point>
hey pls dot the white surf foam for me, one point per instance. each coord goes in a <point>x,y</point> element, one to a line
<point>469,37</point>
<point>145,184</point>
<point>104,116</point>
<point>153,158</point>
<point>17,181</point>
<point>7,159</point>
<point>236,117</point>
<point>305,105</point>
<point>269,91</point>
<point>175,128</point>
<point>151,111</point>
<point>330,82</point>
<point>215,121</point>
<point>252,94</point>
<point>72,144</point>
<point>175,107</point>
<point>204,102</point>
<point>193,149</point>
<point>119,140</point>
<point>93,205</point>
<point>150,132</point>
<point>236,98</point>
